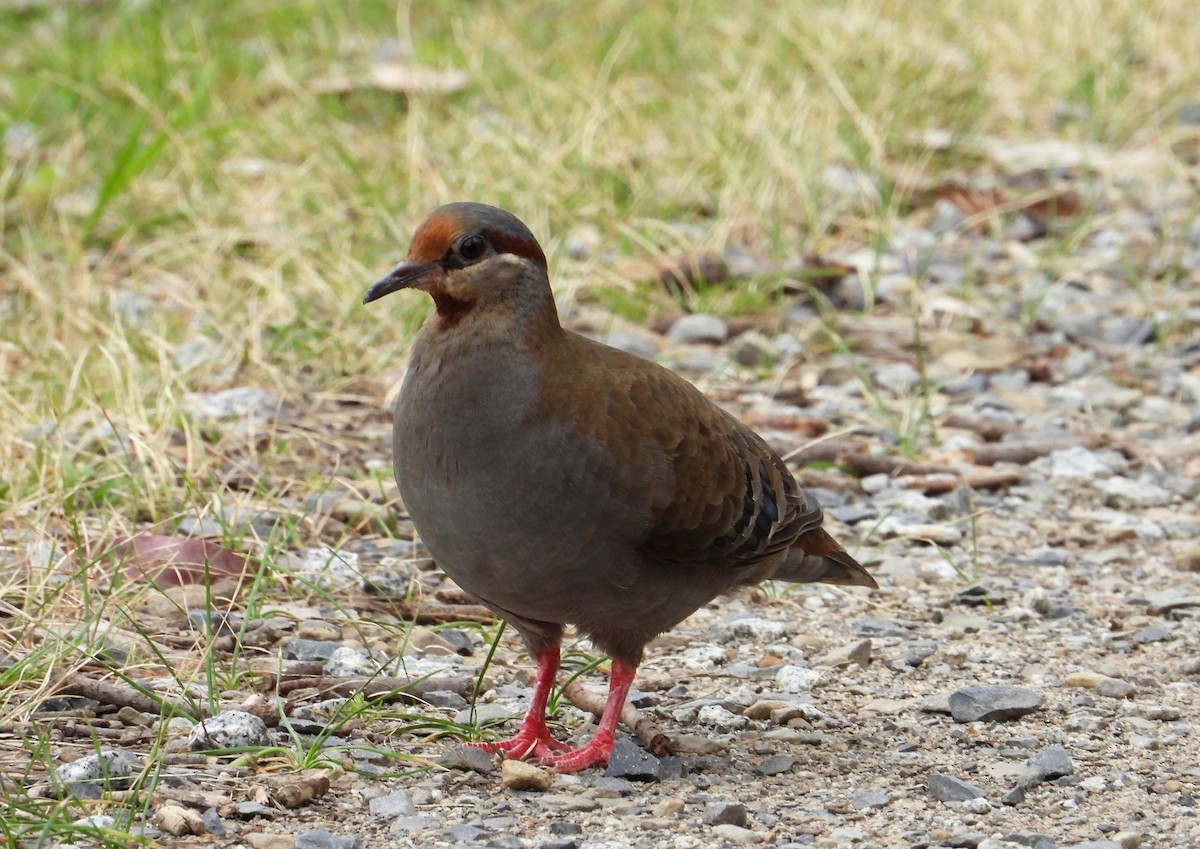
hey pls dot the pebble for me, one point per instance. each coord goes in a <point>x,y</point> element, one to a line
<point>726,813</point>
<point>870,799</point>
<point>737,835</point>
<point>1077,464</point>
<point>1164,601</point>
<point>91,776</point>
<point>993,704</point>
<point>468,758</point>
<point>229,729</point>
<point>947,788</point>
<point>795,679</point>
<point>633,763</point>
<point>699,329</point>
<point>519,775</point>
<point>398,804</point>
<point>776,764</point>
<point>320,839</point>
<point>857,652</point>
<point>1047,765</point>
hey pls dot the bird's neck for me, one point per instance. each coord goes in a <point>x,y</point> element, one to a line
<point>495,328</point>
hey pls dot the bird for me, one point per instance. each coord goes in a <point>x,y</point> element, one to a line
<point>561,481</point>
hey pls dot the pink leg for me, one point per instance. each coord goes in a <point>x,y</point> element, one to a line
<point>598,750</point>
<point>533,737</point>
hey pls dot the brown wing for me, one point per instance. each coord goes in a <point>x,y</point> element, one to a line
<point>711,489</point>
<point>677,476</point>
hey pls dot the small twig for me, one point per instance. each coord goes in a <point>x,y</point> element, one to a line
<point>990,431</point>
<point>935,485</point>
<point>876,464</point>
<point>644,728</point>
<point>1021,453</point>
<point>427,612</point>
<point>121,694</point>
<point>404,689</point>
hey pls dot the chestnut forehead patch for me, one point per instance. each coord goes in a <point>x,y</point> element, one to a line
<point>434,237</point>
<point>504,232</point>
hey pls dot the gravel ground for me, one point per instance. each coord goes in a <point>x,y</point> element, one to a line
<point>1026,675</point>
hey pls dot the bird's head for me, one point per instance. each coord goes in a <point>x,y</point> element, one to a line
<point>472,257</point>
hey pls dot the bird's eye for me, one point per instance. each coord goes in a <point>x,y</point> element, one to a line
<point>472,247</point>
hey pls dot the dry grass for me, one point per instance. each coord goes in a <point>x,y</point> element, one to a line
<point>170,174</point>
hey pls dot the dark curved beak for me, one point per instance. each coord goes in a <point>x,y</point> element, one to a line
<point>406,275</point>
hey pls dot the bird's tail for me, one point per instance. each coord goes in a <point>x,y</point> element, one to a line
<point>816,557</point>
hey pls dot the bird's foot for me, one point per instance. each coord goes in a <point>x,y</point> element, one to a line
<point>595,753</point>
<point>529,744</point>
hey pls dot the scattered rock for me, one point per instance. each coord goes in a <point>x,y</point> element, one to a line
<point>857,652</point>
<point>519,775</point>
<point>398,804</point>
<point>633,763</point>
<point>229,729</point>
<point>870,799</point>
<point>699,328</point>
<point>947,788</point>
<point>726,813</point>
<point>993,704</point>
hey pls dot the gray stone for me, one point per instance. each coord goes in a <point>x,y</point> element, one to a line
<point>301,649</point>
<point>1077,463</point>
<point>468,758</point>
<point>1048,764</point>
<point>1164,601</point>
<point>213,824</point>
<point>736,834</point>
<point>320,839</point>
<point>633,343</point>
<point>462,832</point>
<point>445,699</point>
<point>249,810</point>
<point>1114,688</point>
<point>858,652</point>
<point>993,704</point>
<point>726,813</point>
<point>880,628</point>
<point>699,328</point>
<point>393,805</point>
<point>1015,796</point>
<point>633,763</point>
<point>1154,633</point>
<point>229,729</point>
<point>1126,493</point>
<point>91,776</point>
<point>1033,841</point>
<point>870,799</point>
<point>776,764</point>
<point>947,788</point>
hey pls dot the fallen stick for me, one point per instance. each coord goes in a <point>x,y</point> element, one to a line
<point>120,694</point>
<point>1021,453</point>
<point>404,689</point>
<point>936,485</point>
<point>644,728</point>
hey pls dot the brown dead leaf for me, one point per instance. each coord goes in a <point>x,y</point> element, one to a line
<point>294,792</point>
<point>984,205</point>
<point>172,561</point>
